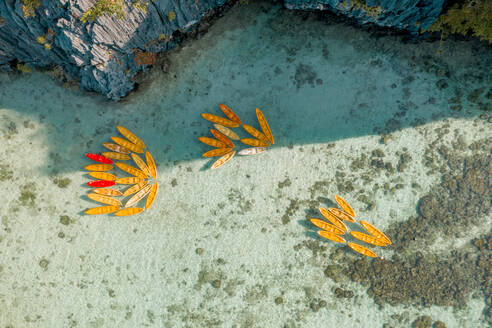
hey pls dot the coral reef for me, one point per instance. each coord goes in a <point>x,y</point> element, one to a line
<point>445,279</point>
<point>426,322</point>
<point>457,203</point>
<point>418,279</point>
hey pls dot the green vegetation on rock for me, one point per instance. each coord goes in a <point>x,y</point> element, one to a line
<point>171,15</point>
<point>111,7</point>
<point>470,16</point>
<point>140,4</point>
<point>29,6</point>
<point>23,68</point>
<point>372,12</point>
<point>62,182</point>
<point>103,7</point>
<point>41,39</point>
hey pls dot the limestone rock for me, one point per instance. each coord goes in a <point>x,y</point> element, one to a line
<point>408,15</point>
<point>99,53</point>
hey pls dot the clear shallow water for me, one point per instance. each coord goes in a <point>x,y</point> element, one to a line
<point>232,247</point>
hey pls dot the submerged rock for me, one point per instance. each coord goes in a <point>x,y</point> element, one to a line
<point>423,322</point>
<point>412,277</point>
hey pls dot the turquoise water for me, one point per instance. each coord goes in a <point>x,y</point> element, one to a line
<point>368,117</point>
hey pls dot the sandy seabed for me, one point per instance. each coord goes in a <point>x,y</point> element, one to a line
<point>356,114</point>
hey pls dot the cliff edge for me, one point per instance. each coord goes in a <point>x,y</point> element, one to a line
<point>103,44</point>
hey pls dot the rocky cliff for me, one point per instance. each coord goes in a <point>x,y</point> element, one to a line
<point>408,15</point>
<point>103,44</point>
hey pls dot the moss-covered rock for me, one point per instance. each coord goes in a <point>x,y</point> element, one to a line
<point>94,41</point>
<point>466,17</point>
<point>29,7</point>
<point>103,7</point>
<point>409,15</point>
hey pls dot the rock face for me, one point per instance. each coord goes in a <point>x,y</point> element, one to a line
<point>103,51</point>
<point>408,15</point>
<point>102,44</point>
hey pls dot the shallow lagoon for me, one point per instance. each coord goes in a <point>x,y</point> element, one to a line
<point>355,113</point>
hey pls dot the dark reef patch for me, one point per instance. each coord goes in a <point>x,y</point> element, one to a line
<point>459,201</point>
<point>426,322</point>
<point>5,172</point>
<point>412,277</point>
<point>241,204</point>
<point>343,293</point>
<point>294,206</point>
<point>65,220</point>
<point>316,246</point>
<point>421,280</point>
<point>62,182</point>
<point>28,194</point>
<point>285,183</point>
<point>304,74</point>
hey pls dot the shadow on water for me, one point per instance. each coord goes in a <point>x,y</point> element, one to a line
<point>306,224</point>
<point>316,82</point>
<point>326,202</point>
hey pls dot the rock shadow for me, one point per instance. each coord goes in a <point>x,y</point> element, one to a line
<point>369,84</point>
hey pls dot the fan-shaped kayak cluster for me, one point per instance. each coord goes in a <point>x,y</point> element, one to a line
<point>336,228</point>
<point>122,150</point>
<point>223,134</point>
